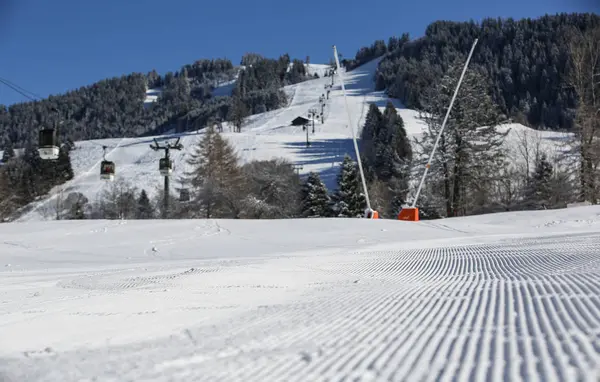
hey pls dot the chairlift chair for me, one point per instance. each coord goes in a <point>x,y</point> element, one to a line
<point>107,170</point>
<point>165,166</point>
<point>184,195</point>
<point>48,144</point>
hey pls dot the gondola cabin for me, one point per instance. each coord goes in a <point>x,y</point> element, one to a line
<point>107,170</point>
<point>165,167</point>
<point>184,195</point>
<point>48,144</point>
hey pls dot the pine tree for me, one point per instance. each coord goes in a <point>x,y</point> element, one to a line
<point>540,190</point>
<point>470,153</point>
<point>8,197</point>
<point>315,198</point>
<point>369,140</point>
<point>33,174</point>
<point>64,169</point>
<point>144,207</point>
<point>387,154</point>
<point>349,198</point>
<point>9,152</point>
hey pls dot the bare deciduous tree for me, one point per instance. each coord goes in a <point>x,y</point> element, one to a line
<point>215,177</point>
<point>117,202</point>
<point>584,78</point>
<point>272,189</point>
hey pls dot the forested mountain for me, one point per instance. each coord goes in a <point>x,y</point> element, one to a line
<point>526,61</point>
<point>115,107</point>
<point>538,72</point>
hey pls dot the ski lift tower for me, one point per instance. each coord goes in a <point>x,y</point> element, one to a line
<point>166,167</point>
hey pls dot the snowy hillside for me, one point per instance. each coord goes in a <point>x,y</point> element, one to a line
<point>264,136</point>
<point>503,297</point>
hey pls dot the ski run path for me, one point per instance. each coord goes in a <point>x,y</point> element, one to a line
<point>265,136</point>
<point>503,297</point>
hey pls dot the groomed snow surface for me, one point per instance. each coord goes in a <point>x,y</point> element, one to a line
<point>503,297</point>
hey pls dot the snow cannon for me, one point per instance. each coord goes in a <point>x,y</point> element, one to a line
<point>409,214</point>
<point>371,214</point>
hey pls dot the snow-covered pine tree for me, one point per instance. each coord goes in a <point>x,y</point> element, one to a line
<point>470,155</point>
<point>387,154</point>
<point>315,198</point>
<point>369,140</point>
<point>397,156</point>
<point>349,198</point>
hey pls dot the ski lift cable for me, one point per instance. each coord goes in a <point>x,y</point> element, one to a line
<point>20,90</point>
<point>77,179</point>
<point>351,125</point>
<point>10,83</point>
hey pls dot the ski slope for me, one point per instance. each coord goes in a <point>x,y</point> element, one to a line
<point>264,136</point>
<point>503,297</point>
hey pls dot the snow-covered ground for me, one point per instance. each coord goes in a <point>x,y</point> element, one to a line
<point>264,136</point>
<point>503,297</point>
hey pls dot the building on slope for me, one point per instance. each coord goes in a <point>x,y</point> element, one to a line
<point>300,121</point>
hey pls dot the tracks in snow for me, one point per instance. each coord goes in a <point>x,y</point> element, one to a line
<point>519,310</point>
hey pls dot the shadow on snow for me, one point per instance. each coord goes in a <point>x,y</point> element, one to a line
<point>323,151</point>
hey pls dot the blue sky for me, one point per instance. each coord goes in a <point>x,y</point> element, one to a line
<point>52,46</point>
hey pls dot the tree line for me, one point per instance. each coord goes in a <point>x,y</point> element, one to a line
<point>472,173</point>
<point>115,107</point>
<point>527,62</point>
<point>220,187</point>
<point>26,178</point>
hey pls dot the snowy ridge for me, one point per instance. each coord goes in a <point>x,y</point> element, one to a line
<point>264,136</point>
<point>512,296</point>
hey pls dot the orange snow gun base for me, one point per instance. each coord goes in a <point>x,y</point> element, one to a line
<point>409,214</point>
<point>371,214</point>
